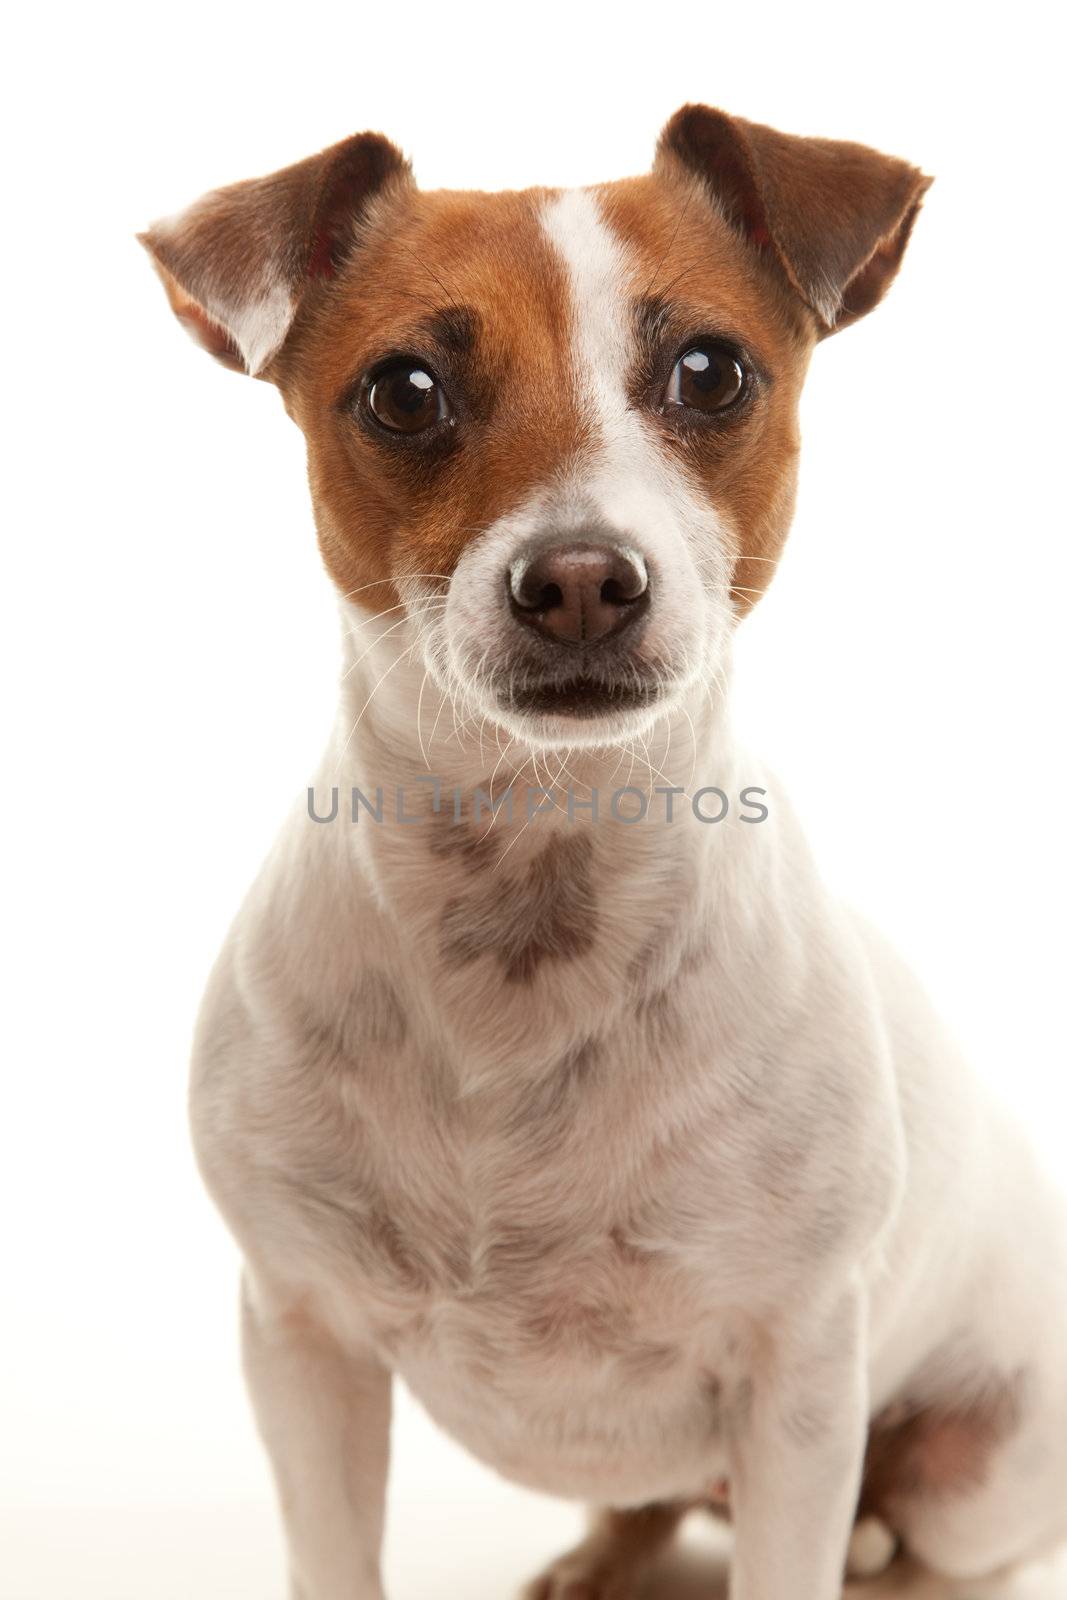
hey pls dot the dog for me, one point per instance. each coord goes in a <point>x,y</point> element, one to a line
<point>645,1164</point>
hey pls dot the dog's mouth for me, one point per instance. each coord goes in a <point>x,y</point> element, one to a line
<point>578,697</point>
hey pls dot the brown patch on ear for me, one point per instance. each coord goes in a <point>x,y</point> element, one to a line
<point>237,263</point>
<point>836,217</point>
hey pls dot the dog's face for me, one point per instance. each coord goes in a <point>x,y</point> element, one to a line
<point>555,431</point>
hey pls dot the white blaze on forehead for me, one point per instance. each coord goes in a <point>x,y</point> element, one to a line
<point>601,283</point>
<point>622,483</point>
<point>629,476</point>
<point>628,479</point>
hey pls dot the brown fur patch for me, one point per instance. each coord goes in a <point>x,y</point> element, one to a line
<point>930,1451</point>
<point>385,508</point>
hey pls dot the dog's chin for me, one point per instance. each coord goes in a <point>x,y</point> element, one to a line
<point>579,712</point>
<point>578,698</point>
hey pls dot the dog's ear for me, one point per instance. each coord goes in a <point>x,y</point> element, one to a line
<point>236,264</point>
<point>835,216</point>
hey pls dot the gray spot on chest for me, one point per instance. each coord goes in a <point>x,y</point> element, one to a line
<point>532,1296</point>
<point>545,913</point>
<point>372,1017</point>
<point>545,1109</point>
<point>455,841</point>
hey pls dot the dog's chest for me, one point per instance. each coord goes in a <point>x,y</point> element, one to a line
<point>495,1258</point>
<point>578,1366</point>
<point>534,1330</point>
<point>496,1242</point>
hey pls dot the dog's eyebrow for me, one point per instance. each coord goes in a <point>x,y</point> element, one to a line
<point>453,328</point>
<point>653,317</point>
<point>658,321</point>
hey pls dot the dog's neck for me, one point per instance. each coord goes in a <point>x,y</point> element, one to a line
<point>406,749</point>
<point>508,925</point>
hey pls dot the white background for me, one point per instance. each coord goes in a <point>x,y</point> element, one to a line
<point>170,651</point>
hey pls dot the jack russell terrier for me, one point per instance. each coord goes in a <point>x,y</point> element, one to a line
<point>643,1162</point>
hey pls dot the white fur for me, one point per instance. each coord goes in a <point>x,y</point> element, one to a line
<point>871,1549</point>
<point>774,1202</point>
<point>259,326</point>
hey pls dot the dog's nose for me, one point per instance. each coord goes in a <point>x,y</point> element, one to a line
<point>578,593</point>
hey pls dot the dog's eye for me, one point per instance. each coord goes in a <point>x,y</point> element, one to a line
<point>707,378</point>
<point>405,398</point>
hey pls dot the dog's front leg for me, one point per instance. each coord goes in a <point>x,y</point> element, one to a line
<point>796,1456</point>
<point>323,1413</point>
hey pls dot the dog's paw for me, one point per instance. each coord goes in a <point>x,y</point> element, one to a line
<point>583,1574</point>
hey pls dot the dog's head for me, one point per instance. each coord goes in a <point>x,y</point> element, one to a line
<point>556,430</point>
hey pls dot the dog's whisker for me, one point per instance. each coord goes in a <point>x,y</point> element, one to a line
<point>376,583</point>
<point>446,699</point>
<point>693,764</point>
<point>514,841</point>
<point>381,679</point>
<point>492,781</point>
<point>418,720</point>
<point>669,724</point>
<point>633,758</point>
<point>393,628</point>
<point>402,605</point>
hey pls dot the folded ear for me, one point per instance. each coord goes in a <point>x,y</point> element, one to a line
<point>236,264</point>
<point>835,216</point>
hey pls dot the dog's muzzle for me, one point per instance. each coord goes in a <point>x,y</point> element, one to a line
<point>577,610</point>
